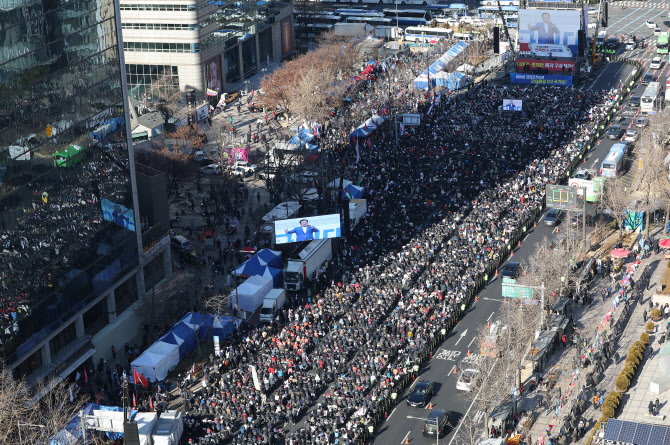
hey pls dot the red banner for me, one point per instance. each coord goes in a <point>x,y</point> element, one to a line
<point>529,65</point>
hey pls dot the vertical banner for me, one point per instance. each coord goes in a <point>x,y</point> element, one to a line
<point>213,76</point>
<point>286,35</point>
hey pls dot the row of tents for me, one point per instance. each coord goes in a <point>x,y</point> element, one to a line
<point>436,76</point>
<point>179,341</point>
<point>264,272</point>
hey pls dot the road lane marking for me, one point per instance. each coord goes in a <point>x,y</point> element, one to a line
<point>479,416</point>
<point>472,341</point>
<point>458,427</point>
<point>462,336</point>
<point>446,354</point>
<point>490,316</point>
<point>418,418</point>
<point>451,371</point>
<point>392,412</point>
<point>406,435</point>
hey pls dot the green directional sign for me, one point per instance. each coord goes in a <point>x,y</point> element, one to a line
<point>517,291</point>
<point>508,280</point>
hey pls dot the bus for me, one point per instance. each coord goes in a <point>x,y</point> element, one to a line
<point>329,19</point>
<point>662,45</point>
<point>372,21</point>
<point>427,34</point>
<point>409,17</point>
<point>458,9</point>
<point>502,3</point>
<point>311,30</point>
<point>346,12</point>
<point>649,97</point>
<point>491,12</point>
<point>512,21</point>
<point>613,163</point>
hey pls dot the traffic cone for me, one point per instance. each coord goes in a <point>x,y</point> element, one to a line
<point>534,223</point>
<point>511,253</point>
<point>475,298</point>
<point>406,442</point>
<point>505,300</point>
<point>455,370</point>
<point>430,405</point>
<point>488,324</point>
<point>519,243</point>
<point>496,272</point>
<point>431,354</point>
<point>557,230</point>
<point>468,351</point>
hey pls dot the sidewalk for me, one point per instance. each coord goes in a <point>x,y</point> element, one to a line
<point>588,317</point>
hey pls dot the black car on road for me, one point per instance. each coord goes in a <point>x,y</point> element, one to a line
<point>422,393</point>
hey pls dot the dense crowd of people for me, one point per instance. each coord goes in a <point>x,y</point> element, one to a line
<point>442,206</point>
<point>51,233</point>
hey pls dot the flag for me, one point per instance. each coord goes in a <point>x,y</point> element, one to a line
<point>134,401</point>
<point>358,153</point>
<point>71,397</point>
<point>151,405</point>
<point>85,375</point>
<point>140,378</point>
<point>212,92</point>
<point>77,377</point>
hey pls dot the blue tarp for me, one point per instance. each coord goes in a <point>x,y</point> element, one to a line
<point>367,127</point>
<point>352,192</point>
<point>303,138</point>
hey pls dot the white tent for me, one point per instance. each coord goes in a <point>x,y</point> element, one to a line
<point>466,68</point>
<point>155,362</point>
<point>250,293</point>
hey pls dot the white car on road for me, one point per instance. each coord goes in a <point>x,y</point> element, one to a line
<point>631,136</point>
<point>650,24</point>
<point>247,167</point>
<point>655,63</point>
<point>211,169</point>
<point>467,379</point>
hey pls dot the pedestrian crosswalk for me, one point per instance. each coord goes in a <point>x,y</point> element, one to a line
<point>639,4</point>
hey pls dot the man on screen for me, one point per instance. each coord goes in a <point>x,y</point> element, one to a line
<point>545,30</point>
<point>304,232</point>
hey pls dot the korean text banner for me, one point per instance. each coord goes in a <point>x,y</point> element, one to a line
<point>553,33</point>
<point>512,105</point>
<point>541,79</point>
<point>306,229</point>
<point>564,66</point>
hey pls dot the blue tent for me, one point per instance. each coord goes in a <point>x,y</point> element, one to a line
<point>352,192</point>
<point>186,333</point>
<point>276,274</point>
<point>303,139</point>
<point>223,326</point>
<point>271,258</point>
<point>455,81</point>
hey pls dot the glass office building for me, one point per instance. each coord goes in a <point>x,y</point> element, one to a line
<point>69,258</point>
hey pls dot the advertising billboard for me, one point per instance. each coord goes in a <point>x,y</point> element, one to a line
<point>531,65</point>
<point>308,228</point>
<point>512,105</point>
<point>213,76</point>
<point>593,188</point>
<point>541,79</point>
<point>549,33</point>
<point>118,214</point>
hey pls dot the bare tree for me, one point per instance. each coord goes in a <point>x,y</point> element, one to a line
<point>14,399</point>
<point>164,95</point>
<point>615,199</point>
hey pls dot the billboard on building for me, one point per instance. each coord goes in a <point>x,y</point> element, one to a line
<point>286,35</point>
<point>541,79</point>
<point>213,75</point>
<point>549,33</point>
<point>532,65</point>
<point>306,229</point>
<point>512,105</point>
<point>118,214</point>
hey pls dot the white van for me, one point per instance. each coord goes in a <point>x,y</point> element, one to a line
<point>199,156</point>
<point>465,37</point>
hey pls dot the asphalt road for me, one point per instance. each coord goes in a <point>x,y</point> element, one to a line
<point>405,422</point>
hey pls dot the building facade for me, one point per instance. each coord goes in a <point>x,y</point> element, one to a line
<point>208,46</point>
<point>73,269</point>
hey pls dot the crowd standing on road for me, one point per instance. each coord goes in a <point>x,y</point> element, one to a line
<point>442,205</point>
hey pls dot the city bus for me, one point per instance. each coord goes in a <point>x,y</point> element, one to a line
<point>491,12</point>
<point>426,34</point>
<point>662,44</point>
<point>502,3</point>
<point>409,17</point>
<point>512,21</point>
<point>613,163</point>
<point>329,19</point>
<point>372,21</point>
<point>458,9</point>
<point>347,12</point>
<point>649,97</point>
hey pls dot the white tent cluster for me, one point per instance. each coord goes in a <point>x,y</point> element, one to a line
<point>436,75</point>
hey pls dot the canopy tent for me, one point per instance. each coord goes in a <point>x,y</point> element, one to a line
<point>272,258</point>
<point>336,183</point>
<point>466,68</point>
<point>421,82</point>
<point>187,335</point>
<point>352,192</point>
<point>277,276</point>
<point>367,128</point>
<point>437,67</point>
<point>256,264</point>
<point>376,119</point>
<point>303,139</point>
<point>155,362</point>
<point>453,81</point>
<point>223,326</point>
<point>249,295</point>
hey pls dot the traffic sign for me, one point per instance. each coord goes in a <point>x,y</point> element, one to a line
<point>562,197</point>
<point>515,291</point>
<point>506,280</point>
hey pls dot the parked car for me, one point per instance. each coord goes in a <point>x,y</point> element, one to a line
<point>421,395</point>
<point>246,166</point>
<point>631,136</point>
<point>211,169</point>
<point>650,24</point>
<point>510,270</point>
<point>553,217</point>
<point>582,173</point>
<point>467,379</point>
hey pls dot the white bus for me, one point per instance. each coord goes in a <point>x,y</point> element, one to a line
<point>372,21</point>
<point>613,163</point>
<point>502,3</point>
<point>649,98</point>
<point>427,34</point>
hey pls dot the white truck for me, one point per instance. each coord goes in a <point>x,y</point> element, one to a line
<point>357,209</point>
<point>388,32</point>
<point>272,303</point>
<point>305,262</point>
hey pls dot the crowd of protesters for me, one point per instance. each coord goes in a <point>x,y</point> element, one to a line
<point>443,204</point>
<point>43,231</point>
